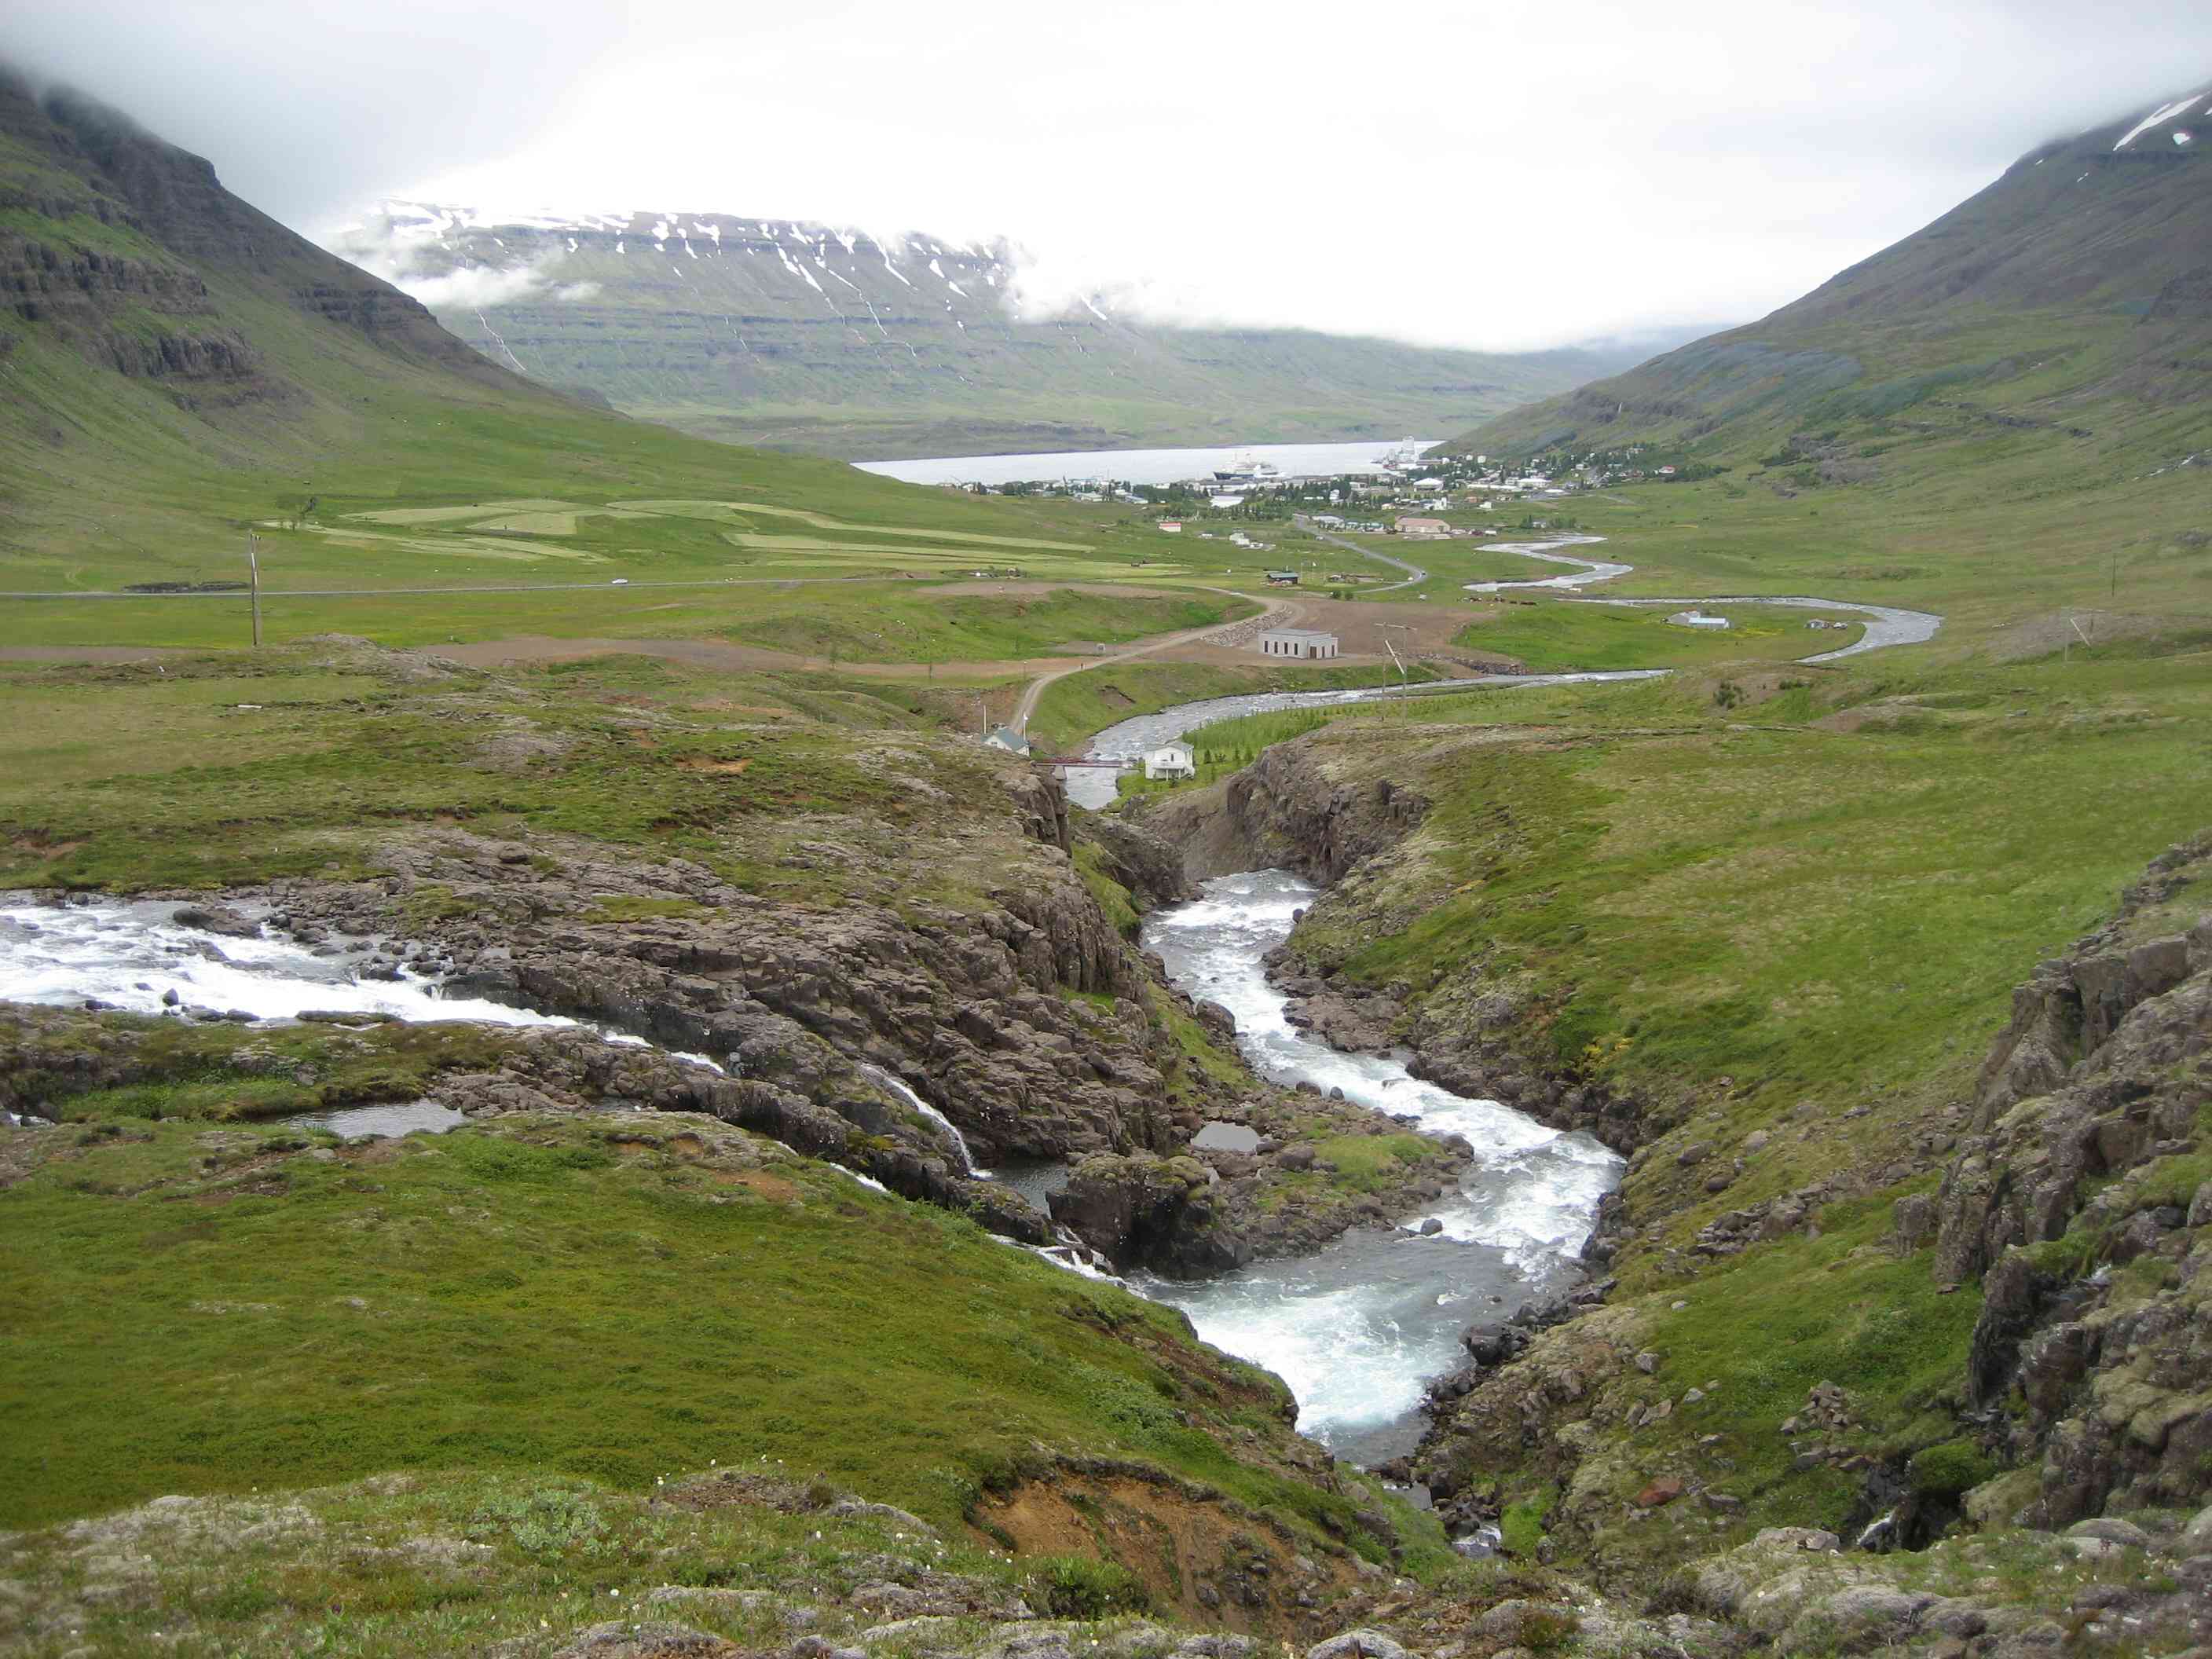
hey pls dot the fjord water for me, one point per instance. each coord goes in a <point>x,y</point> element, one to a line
<point>1359,1327</point>
<point>1141,466</point>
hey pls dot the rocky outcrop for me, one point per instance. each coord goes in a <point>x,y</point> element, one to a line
<point>1287,810</point>
<point>972,1009</point>
<point>1481,1040</point>
<point>1147,1211</point>
<point>2085,1202</point>
<point>1146,863</point>
<point>1210,1210</point>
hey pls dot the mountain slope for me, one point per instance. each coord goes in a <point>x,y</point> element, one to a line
<point>807,336</point>
<point>2075,293</point>
<point>177,365</point>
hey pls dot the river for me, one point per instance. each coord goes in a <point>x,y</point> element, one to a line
<point>1359,1327</point>
<point>1142,467</point>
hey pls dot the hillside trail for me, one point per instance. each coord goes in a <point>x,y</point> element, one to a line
<point>1279,613</point>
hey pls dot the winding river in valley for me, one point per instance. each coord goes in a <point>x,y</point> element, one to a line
<point>1358,1329</point>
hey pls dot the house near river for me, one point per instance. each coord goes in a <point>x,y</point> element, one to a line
<point>1171,760</point>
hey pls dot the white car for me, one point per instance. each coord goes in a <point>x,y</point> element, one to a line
<point>619,581</point>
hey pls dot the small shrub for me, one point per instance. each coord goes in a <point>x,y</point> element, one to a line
<point>1522,1525</point>
<point>1078,1587</point>
<point>1543,1630</point>
<point>1950,1468</point>
<point>548,1522</point>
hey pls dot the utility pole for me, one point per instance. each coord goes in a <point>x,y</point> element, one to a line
<point>254,564</point>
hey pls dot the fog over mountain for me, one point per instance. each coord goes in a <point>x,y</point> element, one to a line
<point>1430,174</point>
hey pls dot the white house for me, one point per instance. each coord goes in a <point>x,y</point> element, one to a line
<point>1171,760</point>
<point>1305,643</point>
<point>1171,527</point>
<point>1695,618</point>
<point>1006,738</point>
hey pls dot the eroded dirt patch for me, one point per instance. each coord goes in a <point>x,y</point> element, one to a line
<point>1199,1558</point>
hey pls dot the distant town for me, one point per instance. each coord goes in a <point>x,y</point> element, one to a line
<point>1403,494</point>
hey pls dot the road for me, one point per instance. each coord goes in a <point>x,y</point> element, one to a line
<point>1279,612</point>
<point>1413,572</point>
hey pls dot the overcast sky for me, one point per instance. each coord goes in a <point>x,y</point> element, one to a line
<point>1467,172</point>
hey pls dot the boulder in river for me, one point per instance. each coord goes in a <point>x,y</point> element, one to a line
<point>1144,1211</point>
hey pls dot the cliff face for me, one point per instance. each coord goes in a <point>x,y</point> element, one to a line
<point>131,250</point>
<point>1288,809</point>
<point>978,1010</point>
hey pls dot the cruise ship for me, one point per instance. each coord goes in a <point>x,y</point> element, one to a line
<point>1245,469</point>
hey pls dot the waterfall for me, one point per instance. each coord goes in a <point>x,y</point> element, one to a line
<point>963,1162</point>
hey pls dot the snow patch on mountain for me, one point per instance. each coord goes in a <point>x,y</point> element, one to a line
<point>482,257</point>
<point>2158,117</point>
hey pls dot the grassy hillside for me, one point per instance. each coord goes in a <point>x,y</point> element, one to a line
<point>1782,910</point>
<point>2020,385</point>
<point>180,369</point>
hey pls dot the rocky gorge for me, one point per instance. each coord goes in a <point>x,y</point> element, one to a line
<point>2072,1187</point>
<point>1030,1024</point>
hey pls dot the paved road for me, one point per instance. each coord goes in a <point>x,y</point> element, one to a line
<point>1885,624</point>
<point>1413,572</point>
<point>1279,612</point>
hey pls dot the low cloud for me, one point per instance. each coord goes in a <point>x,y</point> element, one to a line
<point>1700,165</point>
<point>475,287</point>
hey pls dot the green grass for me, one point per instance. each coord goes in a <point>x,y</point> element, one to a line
<point>1790,906</point>
<point>511,1557</point>
<point>227,1073</point>
<point>286,1320</point>
<point>869,626</point>
<point>193,774</point>
<point>1553,634</point>
<point>1365,1163</point>
<point>1770,1324</point>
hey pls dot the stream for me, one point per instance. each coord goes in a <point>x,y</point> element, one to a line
<point>1359,1327</point>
